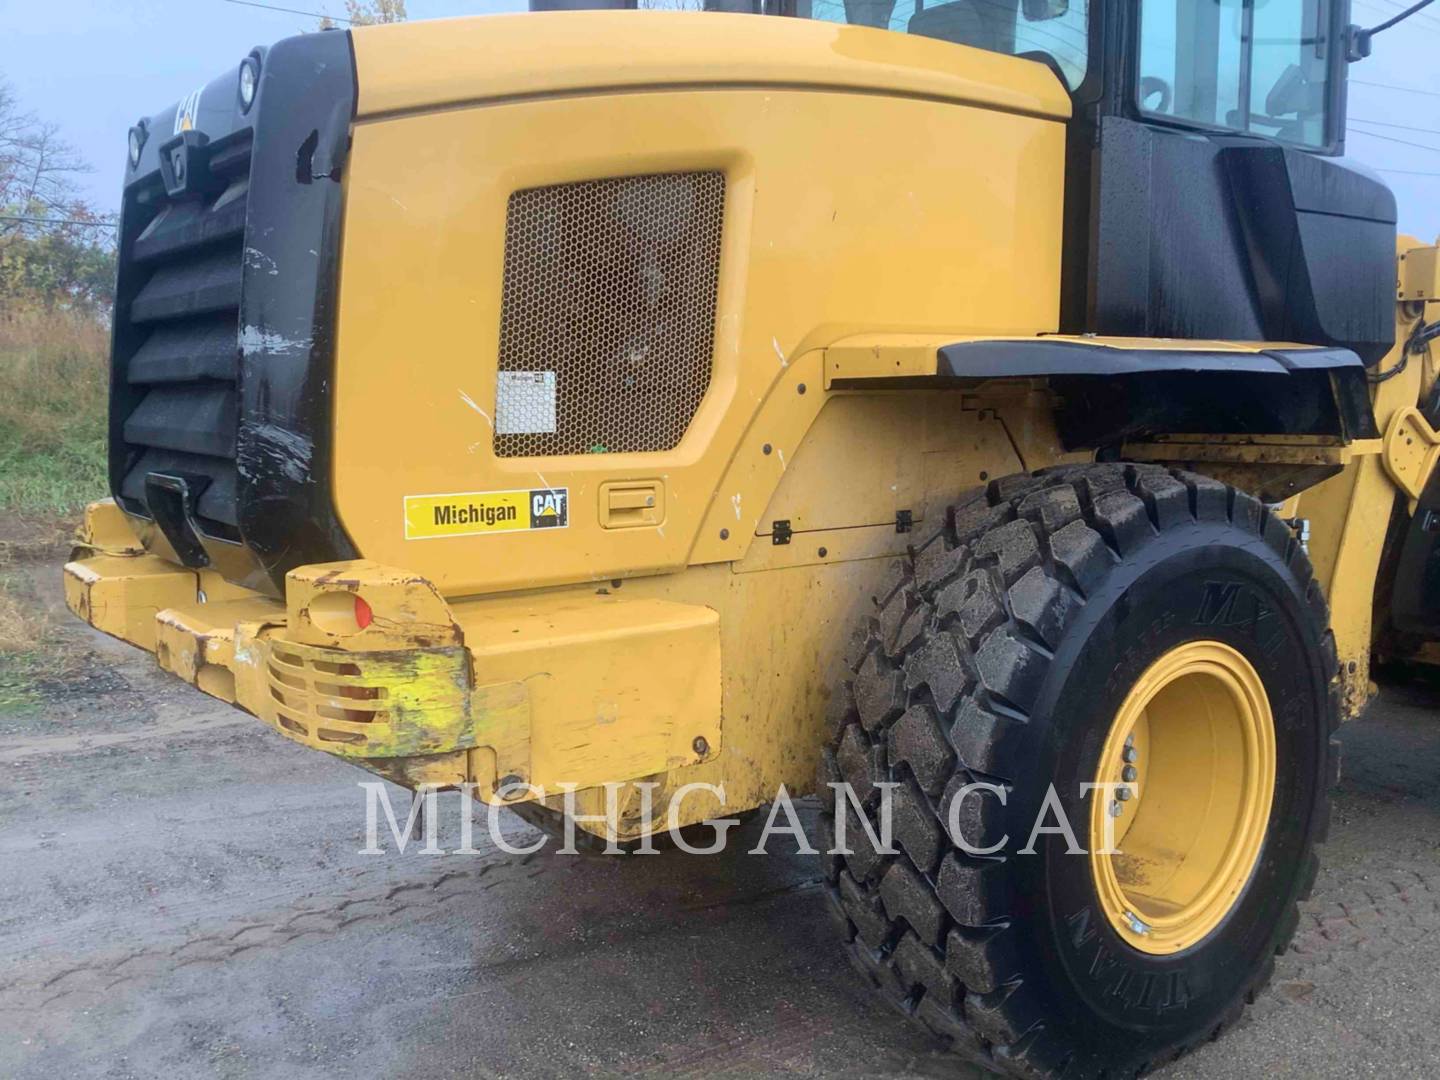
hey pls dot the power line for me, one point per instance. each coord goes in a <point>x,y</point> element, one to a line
<point>1385,124</point>
<point>1391,138</point>
<point>1420,22</point>
<point>287,11</point>
<point>1407,172</point>
<point>1395,6</point>
<point>1425,26</point>
<point>57,221</point>
<point>1392,86</point>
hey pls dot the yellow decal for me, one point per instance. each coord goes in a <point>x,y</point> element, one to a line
<point>479,513</point>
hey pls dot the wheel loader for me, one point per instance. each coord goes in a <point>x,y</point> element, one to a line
<point>994,411</point>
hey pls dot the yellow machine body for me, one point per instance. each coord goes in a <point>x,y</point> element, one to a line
<point>815,129</point>
<point>668,634</point>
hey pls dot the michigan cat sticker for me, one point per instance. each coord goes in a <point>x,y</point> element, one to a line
<point>481,513</point>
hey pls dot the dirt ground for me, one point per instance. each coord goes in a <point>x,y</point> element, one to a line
<point>181,894</point>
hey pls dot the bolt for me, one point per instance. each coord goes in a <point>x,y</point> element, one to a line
<point>765,449</point>
<point>1129,774</point>
<point>700,746</point>
<point>1116,809</point>
<point>724,534</point>
<point>800,388</point>
<point>510,786</point>
<point>824,552</point>
<point>1123,794</point>
<point>1130,754</point>
<point>1130,739</point>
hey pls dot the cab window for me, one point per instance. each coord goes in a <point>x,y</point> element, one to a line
<point>1259,66</point>
<point>1058,28</point>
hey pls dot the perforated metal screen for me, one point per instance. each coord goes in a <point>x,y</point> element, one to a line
<point>608,319</point>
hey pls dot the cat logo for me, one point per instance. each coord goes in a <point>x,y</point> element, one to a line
<point>185,111</point>
<point>548,509</point>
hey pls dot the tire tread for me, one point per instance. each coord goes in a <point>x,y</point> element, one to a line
<point>942,686</point>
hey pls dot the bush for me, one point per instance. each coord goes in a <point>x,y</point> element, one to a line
<point>54,386</point>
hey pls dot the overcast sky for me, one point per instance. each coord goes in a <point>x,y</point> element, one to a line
<point>94,67</point>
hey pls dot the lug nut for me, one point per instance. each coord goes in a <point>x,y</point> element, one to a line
<point>1123,794</point>
<point>1129,774</point>
<point>1116,809</point>
<point>1129,754</point>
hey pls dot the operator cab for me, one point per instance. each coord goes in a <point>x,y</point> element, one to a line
<point>1270,68</point>
<point>1267,67</point>
<point>1205,195</point>
<point>1058,30</point>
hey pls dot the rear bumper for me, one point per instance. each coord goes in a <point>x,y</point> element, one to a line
<point>559,690</point>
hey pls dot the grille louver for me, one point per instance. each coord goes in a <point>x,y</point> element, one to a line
<point>183,274</point>
<point>608,315</point>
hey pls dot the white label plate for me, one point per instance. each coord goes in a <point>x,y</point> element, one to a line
<point>525,403</point>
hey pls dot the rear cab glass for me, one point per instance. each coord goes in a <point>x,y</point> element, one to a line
<point>1057,28</point>
<point>1256,66</point>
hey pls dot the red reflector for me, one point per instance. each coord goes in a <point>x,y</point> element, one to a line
<point>363,615</point>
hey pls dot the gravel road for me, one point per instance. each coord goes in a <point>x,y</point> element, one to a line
<point>182,894</point>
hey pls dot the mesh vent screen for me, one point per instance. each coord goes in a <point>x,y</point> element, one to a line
<point>608,318</point>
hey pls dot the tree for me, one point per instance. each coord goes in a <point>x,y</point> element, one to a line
<point>54,248</point>
<point>369,13</point>
<point>37,167</point>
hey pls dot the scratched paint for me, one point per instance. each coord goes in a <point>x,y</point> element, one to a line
<point>468,400</point>
<point>257,260</point>
<point>257,341</point>
<point>272,447</point>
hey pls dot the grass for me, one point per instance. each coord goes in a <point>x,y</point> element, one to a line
<point>18,628</point>
<point>54,384</point>
<point>29,647</point>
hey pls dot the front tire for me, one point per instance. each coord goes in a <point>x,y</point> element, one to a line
<point>1009,652</point>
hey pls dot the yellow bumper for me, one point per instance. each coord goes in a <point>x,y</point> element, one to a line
<point>557,690</point>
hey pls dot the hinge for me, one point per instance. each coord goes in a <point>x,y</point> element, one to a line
<point>1419,275</point>
<point>780,531</point>
<point>1412,447</point>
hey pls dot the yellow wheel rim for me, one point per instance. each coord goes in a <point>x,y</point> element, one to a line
<point>1192,756</point>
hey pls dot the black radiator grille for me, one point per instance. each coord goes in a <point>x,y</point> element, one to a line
<point>177,342</point>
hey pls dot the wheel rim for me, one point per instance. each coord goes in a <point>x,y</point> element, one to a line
<point>1193,744</point>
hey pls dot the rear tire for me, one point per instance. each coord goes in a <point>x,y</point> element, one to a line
<point>1000,654</point>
